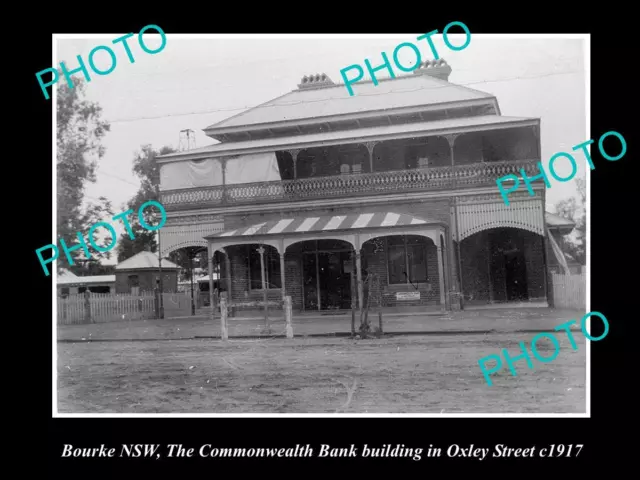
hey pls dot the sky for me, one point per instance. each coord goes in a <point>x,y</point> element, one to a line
<point>195,82</point>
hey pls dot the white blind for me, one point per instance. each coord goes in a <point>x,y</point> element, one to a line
<point>205,173</point>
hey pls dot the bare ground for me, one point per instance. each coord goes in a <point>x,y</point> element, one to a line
<point>399,374</point>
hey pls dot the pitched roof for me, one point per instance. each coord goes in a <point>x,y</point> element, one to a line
<point>556,222</point>
<point>66,275</point>
<point>390,94</point>
<point>145,261</point>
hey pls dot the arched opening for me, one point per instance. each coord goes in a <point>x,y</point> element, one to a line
<point>324,268</point>
<point>193,278</point>
<point>501,265</point>
<point>243,269</point>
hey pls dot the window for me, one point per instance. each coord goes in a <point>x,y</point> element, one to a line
<point>272,267</point>
<point>133,282</point>
<point>407,259</point>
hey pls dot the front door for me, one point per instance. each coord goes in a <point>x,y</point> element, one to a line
<point>335,283</point>
<point>326,280</point>
<point>516,277</point>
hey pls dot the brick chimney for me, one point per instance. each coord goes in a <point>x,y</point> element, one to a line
<point>434,68</point>
<point>319,80</point>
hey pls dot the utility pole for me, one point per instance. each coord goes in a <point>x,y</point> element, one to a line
<point>160,251</point>
<point>187,140</point>
<point>191,255</point>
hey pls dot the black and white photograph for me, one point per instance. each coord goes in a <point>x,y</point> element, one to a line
<point>321,225</point>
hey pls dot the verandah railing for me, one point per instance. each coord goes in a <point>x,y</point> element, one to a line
<point>397,181</point>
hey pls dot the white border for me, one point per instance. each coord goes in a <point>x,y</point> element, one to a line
<point>587,414</point>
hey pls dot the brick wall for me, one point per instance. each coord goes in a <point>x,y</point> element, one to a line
<point>375,262</point>
<point>475,256</point>
<point>534,260</point>
<point>293,275</point>
<point>147,280</point>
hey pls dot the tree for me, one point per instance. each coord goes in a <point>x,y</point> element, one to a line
<point>575,210</point>
<point>181,258</point>
<point>80,130</point>
<point>146,169</point>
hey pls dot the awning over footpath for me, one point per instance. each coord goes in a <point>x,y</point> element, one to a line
<point>326,223</point>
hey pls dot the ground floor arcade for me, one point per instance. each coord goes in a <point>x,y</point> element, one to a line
<point>385,259</point>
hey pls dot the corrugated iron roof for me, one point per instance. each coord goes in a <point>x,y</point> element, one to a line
<point>560,224</point>
<point>401,92</point>
<point>66,275</point>
<point>554,220</point>
<point>326,223</point>
<point>89,280</point>
<point>337,136</point>
<point>145,261</point>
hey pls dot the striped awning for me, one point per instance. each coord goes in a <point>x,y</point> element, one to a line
<point>326,223</point>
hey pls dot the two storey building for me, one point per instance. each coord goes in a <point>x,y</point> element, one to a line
<point>396,184</point>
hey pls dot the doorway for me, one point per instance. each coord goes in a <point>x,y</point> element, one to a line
<point>326,278</point>
<point>516,276</point>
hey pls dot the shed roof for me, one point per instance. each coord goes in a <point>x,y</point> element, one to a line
<point>89,280</point>
<point>556,222</point>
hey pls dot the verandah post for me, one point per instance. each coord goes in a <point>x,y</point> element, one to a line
<point>261,251</point>
<point>353,293</point>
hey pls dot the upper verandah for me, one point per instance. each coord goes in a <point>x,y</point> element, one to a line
<point>319,108</point>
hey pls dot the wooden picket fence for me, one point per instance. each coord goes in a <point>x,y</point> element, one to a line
<point>176,304</point>
<point>108,307</point>
<point>569,291</point>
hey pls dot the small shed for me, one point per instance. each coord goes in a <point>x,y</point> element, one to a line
<point>141,273</point>
<point>68,283</point>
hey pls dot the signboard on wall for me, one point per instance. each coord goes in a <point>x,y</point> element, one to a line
<point>404,296</point>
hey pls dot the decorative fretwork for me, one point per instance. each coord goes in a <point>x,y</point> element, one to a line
<point>191,219</point>
<point>449,177</point>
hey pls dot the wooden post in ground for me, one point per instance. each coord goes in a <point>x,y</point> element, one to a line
<point>223,319</point>
<point>353,293</point>
<point>288,314</point>
<point>212,293</point>
<point>261,251</point>
<point>87,306</point>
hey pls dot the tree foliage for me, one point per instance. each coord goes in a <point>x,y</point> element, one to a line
<point>574,209</point>
<point>80,131</point>
<point>146,169</point>
<point>181,258</point>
